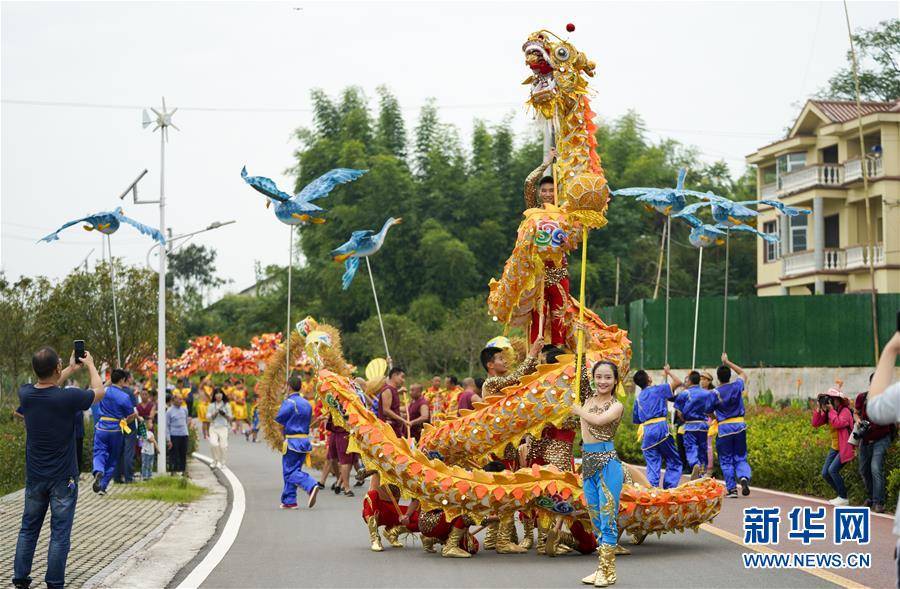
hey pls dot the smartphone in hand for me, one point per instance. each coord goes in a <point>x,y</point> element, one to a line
<point>79,350</point>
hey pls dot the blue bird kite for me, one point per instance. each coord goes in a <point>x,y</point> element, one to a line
<point>361,244</point>
<point>665,200</point>
<point>730,213</point>
<point>299,209</point>
<point>107,223</point>
<point>704,234</point>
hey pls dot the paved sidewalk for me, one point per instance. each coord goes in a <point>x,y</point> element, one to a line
<point>94,545</point>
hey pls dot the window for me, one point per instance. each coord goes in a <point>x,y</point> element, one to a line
<point>798,233</point>
<point>790,162</point>
<point>771,250</point>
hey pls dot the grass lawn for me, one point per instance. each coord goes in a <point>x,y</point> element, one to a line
<point>165,488</point>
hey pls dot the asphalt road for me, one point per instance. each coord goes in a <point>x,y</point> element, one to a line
<point>328,547</point>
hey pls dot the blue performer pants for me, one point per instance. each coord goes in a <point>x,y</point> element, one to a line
<point>601,493</point>
<point>292,471</point>
<point>107,448</point>
<point>732,451</point>
<point>695,448</point>
<point>654,457</point>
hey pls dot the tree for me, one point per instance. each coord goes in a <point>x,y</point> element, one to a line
<point>192,269</point>
<point>878,53</point>
<point>390,135</point>
<point>80,307</point>
<point>463,337</point>
<point>22,306</point>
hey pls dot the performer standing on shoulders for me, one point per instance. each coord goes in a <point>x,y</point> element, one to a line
<point>602,472</point>
<point>540,190</point>
<point>389,402</point>
<point>294,416</point>
<point>694,404</point>
<point>731,440</point>
<point>650,411</point>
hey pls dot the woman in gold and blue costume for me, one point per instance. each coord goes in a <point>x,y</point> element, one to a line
<point>601,470</point>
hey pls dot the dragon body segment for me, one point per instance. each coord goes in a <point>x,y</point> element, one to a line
<point>459,491</point>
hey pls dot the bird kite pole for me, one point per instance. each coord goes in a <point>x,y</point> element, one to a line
<point>287,331</point>
<point>377,308</point>
<point>696,310</point>
<point>725,298</point>
<point>578,360</point>
<point>112,279</point>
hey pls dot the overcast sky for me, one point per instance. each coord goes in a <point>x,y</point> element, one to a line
<point>724,77</point>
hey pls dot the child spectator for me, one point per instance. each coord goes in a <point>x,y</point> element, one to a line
<point>148,455</point>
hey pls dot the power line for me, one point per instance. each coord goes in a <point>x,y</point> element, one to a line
<point>277,110</point>
<point>261,109</point>
<point>812,50</point>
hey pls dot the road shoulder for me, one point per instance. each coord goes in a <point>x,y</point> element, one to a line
<point>169,548</point>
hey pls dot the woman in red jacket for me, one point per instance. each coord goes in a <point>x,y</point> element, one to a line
<point>834,411</point>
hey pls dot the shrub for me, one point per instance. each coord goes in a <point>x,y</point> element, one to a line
<point>12,450</point>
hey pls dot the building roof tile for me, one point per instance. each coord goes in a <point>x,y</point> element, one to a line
<point>840,111</point>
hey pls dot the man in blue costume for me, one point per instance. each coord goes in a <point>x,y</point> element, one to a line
<point>731,441</point>
<point>294,416</point>
<point>116,410</point>
<point>650,412</point>
<point>694,404</point>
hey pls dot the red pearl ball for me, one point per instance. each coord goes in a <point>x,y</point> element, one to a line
<point>570,27</point>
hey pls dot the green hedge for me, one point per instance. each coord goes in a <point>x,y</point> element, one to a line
<point>785,452</point>
<point>12,448</point>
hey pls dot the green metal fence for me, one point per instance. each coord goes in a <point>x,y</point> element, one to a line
<point>827,330</point>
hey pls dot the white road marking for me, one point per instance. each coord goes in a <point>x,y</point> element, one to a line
<point>229,532</point>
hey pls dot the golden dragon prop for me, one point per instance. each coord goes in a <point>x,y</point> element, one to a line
<point>456,490</point>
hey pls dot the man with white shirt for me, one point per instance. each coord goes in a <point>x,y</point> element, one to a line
<point>884,409</point>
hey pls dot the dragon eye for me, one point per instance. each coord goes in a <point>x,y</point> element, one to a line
<point>562,53</point>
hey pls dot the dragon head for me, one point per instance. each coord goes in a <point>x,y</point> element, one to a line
<point>556,67</point>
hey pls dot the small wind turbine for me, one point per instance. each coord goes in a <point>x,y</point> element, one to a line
<point>163,119</point>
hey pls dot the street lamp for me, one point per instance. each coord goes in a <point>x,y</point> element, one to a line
<point>170,241</point>
<point>163,121</point>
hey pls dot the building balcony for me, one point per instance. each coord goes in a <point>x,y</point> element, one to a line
<point>816,175</point>
<point>853,169</point>
<point>824,175</point>
<point>857,256</point>
<point>835,260</point>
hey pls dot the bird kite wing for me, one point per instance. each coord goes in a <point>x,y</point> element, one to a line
<point>361,234</point>
<point>325,183</point>
<point>691,209</point>
<point>154,233</point>
<point>351,265</point>
<point>689,219</point>
<point>55,235</point>
<point>708,195</point>
<point>265,186</point>
<point>747,229</point>
<point>789,211</point>
<point>637,191</point>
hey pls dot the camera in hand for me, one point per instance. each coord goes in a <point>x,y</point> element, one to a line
<point>79,350</point>
<point>858,432</point>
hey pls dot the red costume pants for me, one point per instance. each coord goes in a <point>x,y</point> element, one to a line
<point>555,310</point>
<point>385,513</point>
